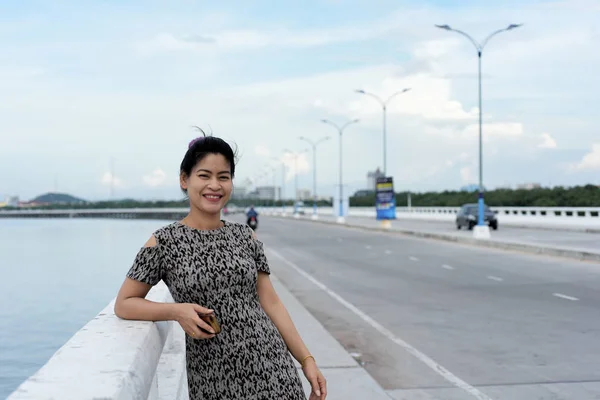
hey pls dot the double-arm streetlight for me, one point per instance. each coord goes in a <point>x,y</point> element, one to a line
<point>314,151</point>
<point>384,104</point>
<point>340,130</point>
<point>482,230</point>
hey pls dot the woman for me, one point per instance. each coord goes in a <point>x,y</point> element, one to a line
<point>210,265</point>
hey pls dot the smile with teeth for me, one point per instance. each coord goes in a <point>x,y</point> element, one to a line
<point>213,196</point>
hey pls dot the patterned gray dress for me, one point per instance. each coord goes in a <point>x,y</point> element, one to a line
<point>218,269</point>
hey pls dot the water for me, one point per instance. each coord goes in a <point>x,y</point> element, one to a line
<point>56,275</point>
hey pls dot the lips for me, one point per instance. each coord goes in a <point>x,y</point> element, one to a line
<point>212,197</point>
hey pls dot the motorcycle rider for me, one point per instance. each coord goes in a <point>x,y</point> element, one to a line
<point>251,213</point>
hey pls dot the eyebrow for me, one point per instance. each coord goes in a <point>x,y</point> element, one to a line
<point>210,172</point>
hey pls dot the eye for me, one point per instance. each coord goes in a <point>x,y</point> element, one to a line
<point>204,176</point>
<point>224,178</point>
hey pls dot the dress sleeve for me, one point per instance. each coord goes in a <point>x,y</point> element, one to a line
<point>148,265</point>
<point>258,251</point>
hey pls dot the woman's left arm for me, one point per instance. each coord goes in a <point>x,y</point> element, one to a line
<point>275,309</point>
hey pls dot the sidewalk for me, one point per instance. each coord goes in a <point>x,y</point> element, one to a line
<point>575,245</point>
<point>346,379</point>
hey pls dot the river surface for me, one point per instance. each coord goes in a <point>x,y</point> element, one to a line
<point>56,275</point>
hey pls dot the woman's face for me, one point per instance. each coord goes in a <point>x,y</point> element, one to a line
<point>210,184</point>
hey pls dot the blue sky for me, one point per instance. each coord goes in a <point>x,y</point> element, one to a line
<point>83,82</point>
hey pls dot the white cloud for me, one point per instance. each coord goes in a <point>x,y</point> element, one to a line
<point>590,161</point>
<point>533,82</point>
<point>261,150</point>
<point>467,175</point>
<point>108,179</point>
<point>494,130</point>
<point>295,164</point>
<point>156,178</point>
<point>254,39</point>
<point>7,73</point>
<point>548,141</point>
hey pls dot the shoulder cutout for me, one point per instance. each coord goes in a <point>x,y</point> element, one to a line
<point>151,242</point>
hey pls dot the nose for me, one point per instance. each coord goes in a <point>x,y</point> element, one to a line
<point>214,184</point>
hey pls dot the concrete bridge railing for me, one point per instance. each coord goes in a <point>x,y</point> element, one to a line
<point>114,359</point>
<point>587,217</point>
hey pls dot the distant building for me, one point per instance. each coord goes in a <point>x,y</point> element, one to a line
<point>372,178</point>
<point>304,194</point>
<point>267,193</point>
<point>529,186</point>
<point>239,192</point>
<point>10,201</point>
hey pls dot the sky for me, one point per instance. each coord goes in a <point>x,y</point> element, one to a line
<point>99,92</point>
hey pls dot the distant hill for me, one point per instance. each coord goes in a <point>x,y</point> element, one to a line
<point>57,198</point>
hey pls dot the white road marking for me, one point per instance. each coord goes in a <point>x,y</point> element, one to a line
<point>448,267</point>
<point>339,239</point>
<point>411,258</point>
<point>564,296</point>
<point>443,372</point>
<point>388,252</point>
<point>495,278</point>
<point>368,247</point>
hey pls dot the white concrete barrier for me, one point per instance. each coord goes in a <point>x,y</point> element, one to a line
<point>583,217</point>
<point>114,359</point>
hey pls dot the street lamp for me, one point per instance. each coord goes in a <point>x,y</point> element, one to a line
<point>314,150</point>
<point>384,104</point>
<point>296,155</point>
<point>481,231</point>
<point>340,130</point>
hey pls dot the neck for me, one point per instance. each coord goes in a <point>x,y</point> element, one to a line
<point>199,220</point>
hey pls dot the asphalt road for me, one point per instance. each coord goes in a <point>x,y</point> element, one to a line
<point>545,237</point>
<point>497,324</point>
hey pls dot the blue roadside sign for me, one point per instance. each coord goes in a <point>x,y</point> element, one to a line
<point>385,198</point>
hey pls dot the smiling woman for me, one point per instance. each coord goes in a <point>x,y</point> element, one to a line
<point>239,334</point>
<point>206,177</point>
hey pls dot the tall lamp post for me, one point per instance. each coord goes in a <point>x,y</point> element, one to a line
<point>314,151</point>
<point>295,155</point>
<point>384,104</point>
<point>340,129</point>
<point>481,231</point>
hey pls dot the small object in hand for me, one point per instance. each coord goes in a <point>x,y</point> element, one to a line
<point>211,319</point>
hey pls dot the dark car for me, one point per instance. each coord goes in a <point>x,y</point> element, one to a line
<point>468,215</point>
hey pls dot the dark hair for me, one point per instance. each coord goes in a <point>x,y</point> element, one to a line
<point>203,146</point>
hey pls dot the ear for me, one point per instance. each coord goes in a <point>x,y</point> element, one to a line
<point>183,181</point>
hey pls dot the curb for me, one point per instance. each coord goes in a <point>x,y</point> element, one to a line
<point>580,255</point>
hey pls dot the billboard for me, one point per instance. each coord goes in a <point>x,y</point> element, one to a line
<point>385,198</point>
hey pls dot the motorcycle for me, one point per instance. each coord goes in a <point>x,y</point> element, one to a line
<point>253,223</point>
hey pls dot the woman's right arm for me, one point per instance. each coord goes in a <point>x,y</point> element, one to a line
<point>131,303</point>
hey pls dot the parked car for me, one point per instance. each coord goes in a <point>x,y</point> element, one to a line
<point>468,215</point>
<point>299,207</point>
